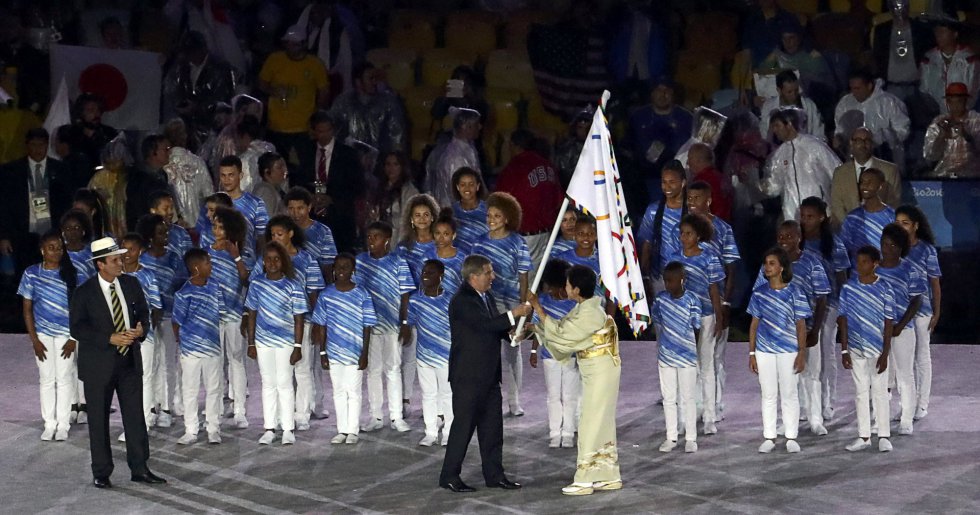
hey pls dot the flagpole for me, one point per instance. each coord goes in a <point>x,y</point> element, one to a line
<point>518,332</point>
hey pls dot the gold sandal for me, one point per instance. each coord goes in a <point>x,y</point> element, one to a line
<point>577,489</point>
<point>608,485</point>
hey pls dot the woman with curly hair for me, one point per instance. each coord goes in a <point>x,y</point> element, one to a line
<point>395,189</point>
<point>511,260</point>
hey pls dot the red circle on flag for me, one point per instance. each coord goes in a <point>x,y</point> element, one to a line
<point>106,81</point>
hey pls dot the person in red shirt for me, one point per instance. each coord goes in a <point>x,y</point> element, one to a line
<point>533,181</point>
<point>701,162</point>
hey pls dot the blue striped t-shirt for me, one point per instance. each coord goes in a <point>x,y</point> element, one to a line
<point>320,243</point>
<point>701,271</point>
<point>676,320</point>
<point>344,314</point>
<point>866,307</point>
<point>778,311</point>
<point>275,304</point>
<point>924,257</point>
<point>386,279</point>
<point>430,316</point>
<point>862,227</point>
<point>49,295</point>
<point>198,311</point>
<point>906,281</point>
<point>470,225</point>
<point>170,273</point>
<point>510,258</point>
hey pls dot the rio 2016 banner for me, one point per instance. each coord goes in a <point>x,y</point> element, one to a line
<point>953,210</point>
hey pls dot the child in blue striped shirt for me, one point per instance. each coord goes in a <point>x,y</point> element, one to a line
<point>198,309</point>
<point>777,346</point>
<point>342,322</point>
<point>46,288</point>
<point>133,243</point>
<point>676,316</point>
<point>446,251</point>
<point>562,381</point>
<point>867,314</point>
<point>428,313</point>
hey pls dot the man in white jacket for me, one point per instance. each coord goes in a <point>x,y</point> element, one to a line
<point>947,63</point>
<point>788,85</point>
<point>869,105</point>
<point>802,166</point>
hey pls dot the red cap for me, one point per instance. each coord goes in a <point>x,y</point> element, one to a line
<point>957,89</point>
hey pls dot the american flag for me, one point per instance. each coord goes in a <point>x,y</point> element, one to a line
<point>569,67</point>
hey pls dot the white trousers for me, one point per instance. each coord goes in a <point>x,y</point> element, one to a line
<point>167,368</point>
<point>923,361</point>
<point>829,349</point>
<point>811,384</point>
<point>513,373</point>
<point>148,353</point>
<point>346,381</point>
<point>902,358</point>
<point>706,366</point>
<point>278,399</point>
<point>303,372</point>
<point>871,386</point>
<point>564,387</point>
<point>233,349</point>
<point>57,378</point>
<point>778,382</point>
<point>385,359</point>
<point>409,366</point>
<point>316,403</point>
<point>194,371</point>
<point>437,397</point>
<point>680,384</point>
<point>720,345</point>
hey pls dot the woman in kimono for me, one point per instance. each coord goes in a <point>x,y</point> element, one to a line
<point>586,332</point>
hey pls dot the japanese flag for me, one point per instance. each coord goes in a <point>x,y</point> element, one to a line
<point>129,81</point>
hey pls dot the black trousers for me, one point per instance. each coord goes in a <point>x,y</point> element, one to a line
<point>127,383</point>
<point>475,409</point>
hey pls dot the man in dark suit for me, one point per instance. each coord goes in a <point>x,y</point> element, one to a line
<point>334,165</point>
<point>474,374</point>
<point>108,317</point>
<point>34,193</point>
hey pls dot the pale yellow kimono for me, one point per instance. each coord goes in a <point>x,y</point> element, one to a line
<point>110,182</point>
<point>587,332</point>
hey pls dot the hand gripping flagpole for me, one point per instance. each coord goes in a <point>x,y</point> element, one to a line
<point>519,330</point>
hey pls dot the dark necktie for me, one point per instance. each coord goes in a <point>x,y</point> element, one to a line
<point>486,302</point>
<point>118,321</point>
<point>321,169</point>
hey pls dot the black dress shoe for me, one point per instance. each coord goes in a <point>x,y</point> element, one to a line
<point>506,484</point>
<point>458,486</point>
<point>148,477</point>
<point>102,482</point>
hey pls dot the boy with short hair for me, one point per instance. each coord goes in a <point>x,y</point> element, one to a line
<point>198,307</point>
<point>867,313</point>
<point>863,225</point>
<point>676,317</point>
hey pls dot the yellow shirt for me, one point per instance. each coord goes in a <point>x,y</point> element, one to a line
<point>294,86</point>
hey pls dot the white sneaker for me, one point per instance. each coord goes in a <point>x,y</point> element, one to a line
<point>792,447</point>
<point>241,422</point>
<point>61,435</point>
<point>267,437</point>
<point>767,446</point>
<point>690,446</point>
<point>859,444</point>
<point>288,438</point>
<point>339,438</point>
<point>187,439</point>
<point>122,438</point>
<point>818,429</point>
<point>352,439</point>
<point>374,425</point>
<point>884,445</point>
<point>517,411</point>
<point>302,426</point>
<point>400,425</point>
<point>905,430</point>
<point>828,414</point>
<point>214,438</point>
<point>568,442</point>
<point>428,440</point>
<point>164,419</point>
<point>668,446</point>
<point>710,428</point>
<point>82,417</point>
<point>554,443</point>
<point>47,435</point>
<point>920,413</point>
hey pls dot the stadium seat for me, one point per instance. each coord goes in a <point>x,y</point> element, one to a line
<point>397,64</point>
<point>723,30</point>
<point>412,17</point>
<point>505,112</point>
<point>418,107</point>
<point>419,36</point>
<point>438,65</point>
<point>511,70</point>
<point>808,7</point>
<point>518,25</point>
<point>699,77</point>
<point>472,32</point>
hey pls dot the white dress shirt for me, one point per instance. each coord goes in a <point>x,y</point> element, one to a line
<point>104,285</point>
